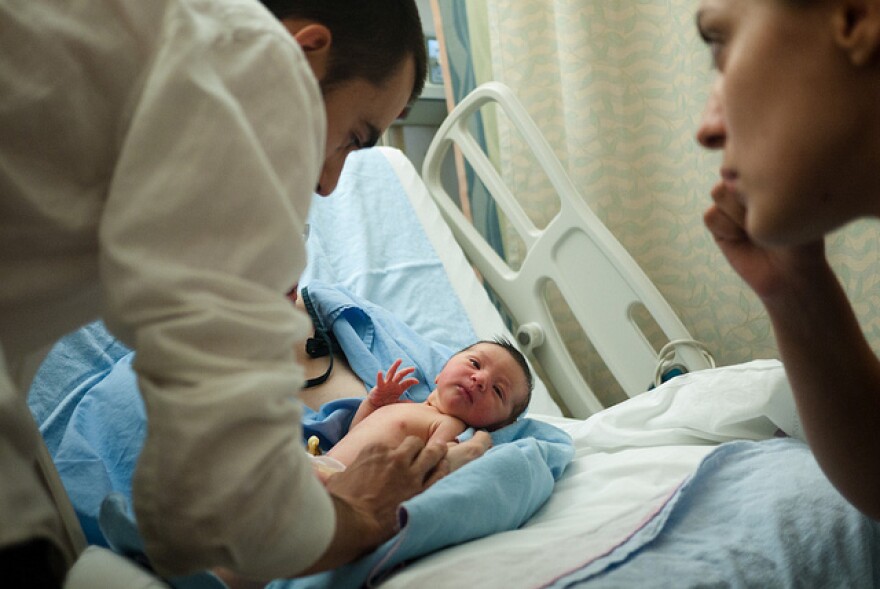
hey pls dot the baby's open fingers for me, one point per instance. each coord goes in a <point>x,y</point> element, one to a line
<point>408,383</point>
<point>404,373</point>
<point>384,379</point>
<point>393,369</point>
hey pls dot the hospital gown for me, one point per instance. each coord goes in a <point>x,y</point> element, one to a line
<point>156,165</point>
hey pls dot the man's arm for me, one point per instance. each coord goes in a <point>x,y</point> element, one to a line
<point>198,246</point>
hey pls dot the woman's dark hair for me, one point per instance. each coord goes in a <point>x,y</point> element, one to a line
<point>371,38</point>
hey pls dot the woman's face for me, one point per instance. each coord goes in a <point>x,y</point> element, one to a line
<point>794,114</point>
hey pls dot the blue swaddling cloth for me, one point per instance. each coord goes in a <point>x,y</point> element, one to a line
<point>97,429</point>
<point>373,338</point>
<point>498,492</point>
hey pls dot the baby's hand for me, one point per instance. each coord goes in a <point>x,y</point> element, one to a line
<point>392,385</point>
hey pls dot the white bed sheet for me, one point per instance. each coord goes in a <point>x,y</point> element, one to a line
<point>629,460</point>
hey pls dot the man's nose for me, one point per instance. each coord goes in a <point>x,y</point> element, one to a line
<point>330,175</point>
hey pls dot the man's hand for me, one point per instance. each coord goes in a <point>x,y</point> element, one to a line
<point>460,454</point>
<point>369,492</point>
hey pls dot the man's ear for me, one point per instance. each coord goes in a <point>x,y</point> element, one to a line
<point>315,40</point>
<point>857,29</point>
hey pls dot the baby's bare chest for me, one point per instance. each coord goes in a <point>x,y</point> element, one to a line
<point>405,419</point>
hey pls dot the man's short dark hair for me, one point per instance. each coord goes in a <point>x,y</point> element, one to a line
<point>371,38</point>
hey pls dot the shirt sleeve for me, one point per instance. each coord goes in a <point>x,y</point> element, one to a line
<point>200,239</point>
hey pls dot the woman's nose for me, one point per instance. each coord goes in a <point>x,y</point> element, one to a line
<point>712,132</point>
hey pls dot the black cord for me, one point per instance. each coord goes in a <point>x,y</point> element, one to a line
<point>318,346</point>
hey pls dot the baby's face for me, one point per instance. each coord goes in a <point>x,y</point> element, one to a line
<point>481,386</point>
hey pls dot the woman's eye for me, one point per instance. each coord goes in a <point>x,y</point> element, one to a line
<point>716,43</point>
<point>714,33</point>
<point>716,50</point>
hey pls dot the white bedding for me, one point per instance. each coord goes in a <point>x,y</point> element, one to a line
<point>629,459</point>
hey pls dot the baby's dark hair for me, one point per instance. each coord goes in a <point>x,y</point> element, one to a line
<point>371,38</point>
<point>511,349</point>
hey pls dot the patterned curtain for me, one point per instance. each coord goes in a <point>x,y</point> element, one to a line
<point>617,87</point>
<point>465,38</point>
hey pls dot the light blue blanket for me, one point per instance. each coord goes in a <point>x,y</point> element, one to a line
<point>498,492</point>
<point>373,337</point>
<point>86,400</point>
<point>96,430</point>
<point>754,514</point>
<point>367,238</point>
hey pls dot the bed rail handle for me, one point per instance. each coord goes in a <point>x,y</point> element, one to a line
<point>575,234</point>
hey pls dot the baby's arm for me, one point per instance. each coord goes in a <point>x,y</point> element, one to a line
<point>388,390</point>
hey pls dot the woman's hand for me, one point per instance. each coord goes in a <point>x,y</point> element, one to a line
<point>772,272</point>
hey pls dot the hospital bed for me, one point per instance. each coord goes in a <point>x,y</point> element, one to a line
<point>703,479</point>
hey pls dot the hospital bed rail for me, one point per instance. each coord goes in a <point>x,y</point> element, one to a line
<point>595,275</point>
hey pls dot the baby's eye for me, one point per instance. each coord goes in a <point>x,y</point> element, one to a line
<point>499,392</point>
<point>475,363</point>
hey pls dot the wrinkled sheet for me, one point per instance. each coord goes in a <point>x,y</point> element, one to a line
<point>631,463</point>
<point>755,513</point>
